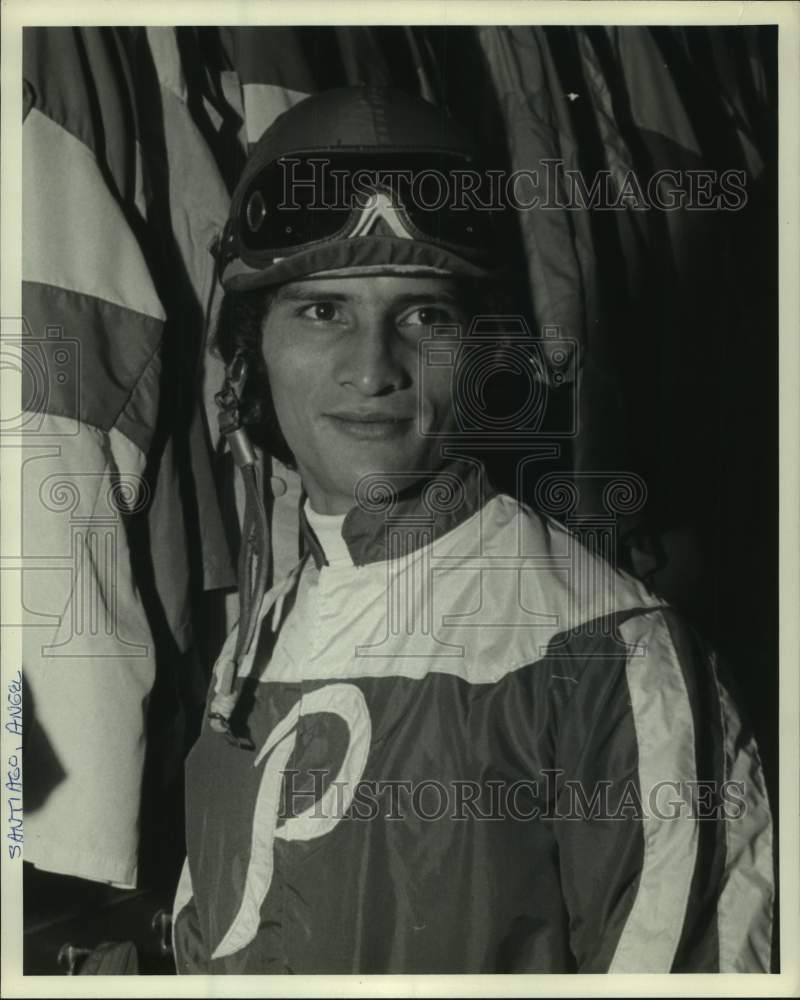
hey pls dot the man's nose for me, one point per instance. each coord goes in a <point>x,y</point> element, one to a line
<point>372,362</point>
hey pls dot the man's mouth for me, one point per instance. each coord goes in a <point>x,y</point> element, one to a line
<point>370,425</point>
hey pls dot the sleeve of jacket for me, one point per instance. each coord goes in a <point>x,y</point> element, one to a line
<point>661,817</point>
<point>188,944</point>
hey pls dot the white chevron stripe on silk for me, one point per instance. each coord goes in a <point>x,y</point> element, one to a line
<point>664,726</point>
<point>74,234</point>
<point>744,911</point>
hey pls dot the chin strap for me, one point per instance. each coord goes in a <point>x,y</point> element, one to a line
<point>255,551</point>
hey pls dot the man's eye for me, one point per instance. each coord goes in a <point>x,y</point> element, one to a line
<point>427,316</point>
<point>322,312</point>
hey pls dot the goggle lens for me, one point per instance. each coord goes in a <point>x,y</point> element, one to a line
<point>299,201</point>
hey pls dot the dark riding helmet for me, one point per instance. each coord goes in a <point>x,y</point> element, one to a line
<point>360,180</point>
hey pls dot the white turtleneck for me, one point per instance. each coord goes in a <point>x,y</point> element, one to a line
<point>328,529</point>
<point>302,632</point>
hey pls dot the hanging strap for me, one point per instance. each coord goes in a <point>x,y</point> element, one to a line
<point>255,553</point>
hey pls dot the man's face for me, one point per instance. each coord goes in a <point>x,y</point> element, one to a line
<point>343,361</point>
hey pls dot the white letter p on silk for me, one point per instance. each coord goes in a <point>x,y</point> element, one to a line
<point>346,701</point>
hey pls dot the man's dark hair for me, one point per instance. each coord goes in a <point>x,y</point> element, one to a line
<point>240,328</point>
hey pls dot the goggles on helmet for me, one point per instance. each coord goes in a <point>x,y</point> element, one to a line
<point>387,185</point>
<point>298,201</point>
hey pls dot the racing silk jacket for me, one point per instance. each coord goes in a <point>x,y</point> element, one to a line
<point>498,755</point>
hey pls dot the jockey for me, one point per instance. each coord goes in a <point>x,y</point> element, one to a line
<point>455,738</point>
